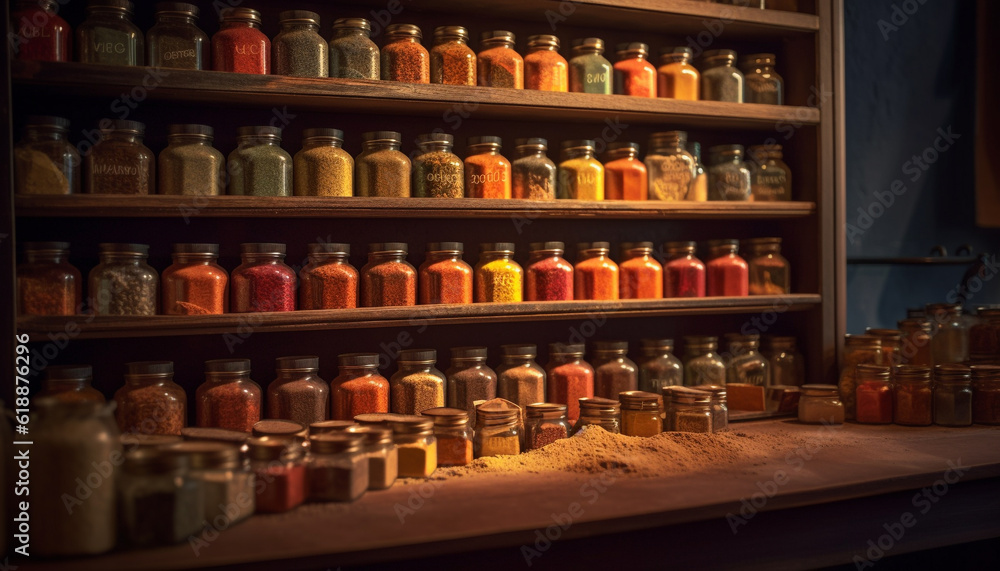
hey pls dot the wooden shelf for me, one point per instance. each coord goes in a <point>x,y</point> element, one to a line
<point>92,327</point>
<point>159,206</point>
<point>394,98</point>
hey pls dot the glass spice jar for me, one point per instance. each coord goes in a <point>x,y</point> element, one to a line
<point>263,282</point>
<point>44,160</point>
<point>381,169</point>
<point>770,177</point>
<point>640,275</point>
<point>544,68</point>
<point>123,283</point>
<point>549,277</point>
<point>353,55</point>
<point>259,166</point>
<point>75,436</point>
<point>676,77</point>
<point>670,166</point>
<point>417,445</point>
<point>452,60</point>
<point>891,345</point>
<point>47,284</point>
<point>581,176</point>
<point>595,276</point>
<point>984,336</point>
<point>388,279</point>
<point>761,83</point>
<point>498,64</point>
<point>702,365</point>
<point>298,49</point>
<point>418,385</point>
<point>498,278</point>
<point>322,167</point>
<point>437,172</point>
<point>228,482</point>
<point>787,365</point>
<point>70,384</point>
<point>728,175</point>
<point>283,430</point>
<point>280,472</point>
<point>239,45</point>
<point>533,174</point>
<point>633,74</point>
<point>175,41</point>
<point>337,468</point>
<point>727,273</point>
<point>589,71</point>
<point>487,172</point>
<point>640,413</point>
<point>625,176</point>
<point>150,402</point>
<point>383,456</point>
<point>683,273</point>
<point>359,388</point>
<point>119,163</point>
<point>746,365</point>
<point>328,280</point>
<point>720,408</point>
<point>195,284</point>
<point>469,379</point>
<point>912,402</point>
<point>768,269</point>
<point>614,372</point>
<point>108,35</point>
<point>690,410</point>
<point>454,435</point>
<point>699,185</point>
<point>444,276</point>
<point>402,57</point>
<point>658,367</point>
<point>986,394</point>
<point>950,340</point>
<point>519,378</point>
<point>190,165</point>
<point>916,341</point>
<point>597,411</point>
<point>820,404</point>
<point>40,34</point>
<point>546,423</point>
<point>570,378</point>
<point>873,395</point>
<point>952,395</point>
<point>858,350</point>
<point>298,393</point>
<point>157,503</point>
<point>720,80</point>
<point>228,398</point>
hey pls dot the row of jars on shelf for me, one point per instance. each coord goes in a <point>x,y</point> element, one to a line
<point>119,163</point>
<point>108,36</point>
<point>123,283</point>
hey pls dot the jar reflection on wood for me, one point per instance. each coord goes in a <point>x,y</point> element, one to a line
<point>544,68</point>
<point>595,274</point>
<point>545,424</point>
<point>228,398</point>
<point>41,35</point>
<point>444,275</point>
<point>259,166</point>
<point>670,166</point>
<point>533,175</point>
<point>487,172</point>
<point>328,280</point>
<point>150,402</point>
<point>418,385</point>
<point>298,49</point>
<point>614,372</point>
<point>625,176</point>
<point>984,336</point>
<point>47,284</point>
<point>683,272</point>
<point>598,411</point>
<point>728,175</point>
<point>190,165</point>
<point>950,341</point>
<point>359,388</point>
<point>298,393</point>
<point>770,177</point>
<point>381,170</point>
<point>123,283</point>
<point>570,378</point>
<point>388,279</point>
<point>498,64</point>
<point>322,167</point>
<point>119,163</point>
<point>641,276</point>
<point>519,378</point>
<point>658,366</point>
<point>858,350</point>
<point>581,176</point>
<point>727,274</point>
<point>437,172</point>
<point>108,35</point>
<point>239,45</point>
<point>402,56</point>
<point>549,277</point>
<point>787,365</point>
<point>702,364</point>
<point>75,437</point>
<point>916,341</point>
<point>589,71</point>
<point>873,395</point>
<point>452,61</point>
<point>195,284</point>
<point>820,404</point>
<point>44,160</point>
<point>912,402</point>
<point>175,41</point>
<point>454,435</point>
<point>986,394</point>
<point>469,379</point>
<point>769,273</point>
<point>720,80</point>
<point>498,278</point>
<point>70,383</point>
<point>952,395</point>
<point>633,74</point>
<point>352,53</point>
<point>762,83</point>
<point>676,77</point>
<point>263,282</point>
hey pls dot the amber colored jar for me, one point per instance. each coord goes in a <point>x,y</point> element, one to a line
<point>891,345</point>
<point>544,68</point>
<point>570,378</point>
<point>195,284</point>
<point>916,341</point>
<point>70,383</point>
<point>388,279</point>
<point>683,273</point>
<point>358,388</point>
<point>727,272</point>
<point>595,275</point>
<point>228,398</point>
<point>640,275</point>
<point>487,172</point>
<point>150,402</point>
<point>328,280</point>
<point>239,45</point>
<point>452,60</point>
<point>402,56</point>
<point>986,394</point>
<point>858,350</point>
<point>984,336</point>
<point>761,83</point>
<point>625,176</point>
<point>444,276</point>
<point>47,284</point>
<point>498,64</point>
<point>549,277</point>
<point>676,77</point>
<point>768,269</point>
<point>634,75</point>
<point>912,395</point>
<point>874,395</point>
<point>298,393</point>
<point>770,176</point>
<point>40,34</point>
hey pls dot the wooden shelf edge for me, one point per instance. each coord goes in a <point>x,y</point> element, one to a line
<point>92,327</point>
<point>160,206</point>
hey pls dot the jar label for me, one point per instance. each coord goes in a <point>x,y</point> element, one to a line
<point>597,77</point>
<point>109,47</point>
<point>113,169</point>
<point>498,176</point>
<point>248,49</point>
<point>450,178</point>
<point>179,54</point>
<point>29,32</point>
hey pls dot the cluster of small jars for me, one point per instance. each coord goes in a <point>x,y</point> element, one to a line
<point>123,283</point>
<point>108,36</point>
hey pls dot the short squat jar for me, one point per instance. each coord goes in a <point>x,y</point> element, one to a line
<point>47,284</point>
<point>720,406</point>
<point>670,167</point>
<point>581,176</point>
<point>229,398</point>
<point>589,70</point>
<point>119,163</point>
<point>239,45</point>
<point>416,445</point>
<point>533,172</point>
<point>322,167</point>
<point>381,169</point>
<point>658,367</point>
<point>150,402</point>
<point>388,279</point>
<point>690,411</point>
<point>44,160</point>
<point>328,280</point>
<point>298,49</point>
<point>337,469</point>
<point>454,435</point>
<point>108,35</point>
<point>123,283</point>
<point>544,68</point>
<point>498,278</point>
<point>359,388</point>
<point>190,165</point>
<point>452,60</point>
<point>820,404</point>
<point>598,411</point>
<point>352,53</point>
<point>640,413</point>
<point>545,424</point>
<point>298,393</point>
<point>69,384</point>
<point>444,276</point>
<point>498,64</point>
<point>487,172</point>
<point>175,41</point>
<point>720,80</point>
<point>762,83</point>
<point>154,479</point>
<point>225,476</point>
<point>259,166</point>
<point>952,395</point>
<point>728,176</point>
<point>263,282</point>
<point>437,171</point>
<point>195,284</point>
<point>403,58</point>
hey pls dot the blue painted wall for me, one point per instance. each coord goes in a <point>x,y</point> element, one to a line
<point>910,78</point>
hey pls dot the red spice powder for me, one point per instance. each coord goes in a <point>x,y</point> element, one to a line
<point>728,276</point>
<point>568,383</point>
<point>350,397</point>
<point>41,34</point>
<point>635,77</point>
<point>281,487</point>
<point>547,434</point>
<point>241,47</point>
<point>641,277</point>
<point>549,279</point>
<point>386,284</point>
<point>684,277</point>
<point>265,287</point>
<point>229,405</point>
<point>404,59</point>
<point>874,403</point>
<point>444,279</point>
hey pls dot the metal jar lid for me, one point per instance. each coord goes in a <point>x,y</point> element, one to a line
<point>203,249</point>
<point>300,363</point>
<point>152,368</point>
<point>337,443</point>
<point>273,248</point>
<point>227,366</point>
<point>639,400</point>
<point>241,15</point>
<point>497,247</point>
<point>388,247</point>
<point>330,426</point>
<point>445,416</point>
